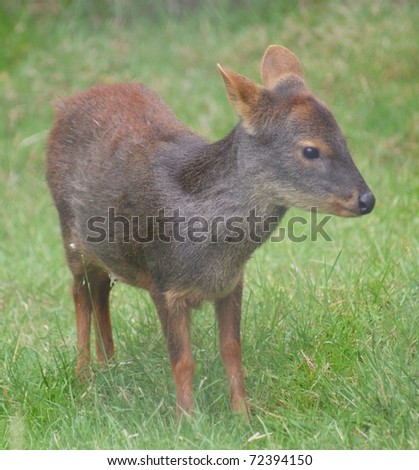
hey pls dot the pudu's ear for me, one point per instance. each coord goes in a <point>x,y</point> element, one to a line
<point>243,95</point>
<point>278,62</point>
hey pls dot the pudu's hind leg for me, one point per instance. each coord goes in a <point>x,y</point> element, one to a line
<point>91,300</point>
<point>105,349</point>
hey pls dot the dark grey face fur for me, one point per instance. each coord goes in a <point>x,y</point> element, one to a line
<point>301,157</point>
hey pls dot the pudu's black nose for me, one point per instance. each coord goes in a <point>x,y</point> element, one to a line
<point>366,203</point>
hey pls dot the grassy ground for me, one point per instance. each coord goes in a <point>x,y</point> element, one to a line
<point>329,329</point>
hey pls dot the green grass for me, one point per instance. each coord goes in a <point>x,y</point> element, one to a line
<point>329,328</point>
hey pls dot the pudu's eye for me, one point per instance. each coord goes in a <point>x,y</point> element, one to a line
<point>311,152</point>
